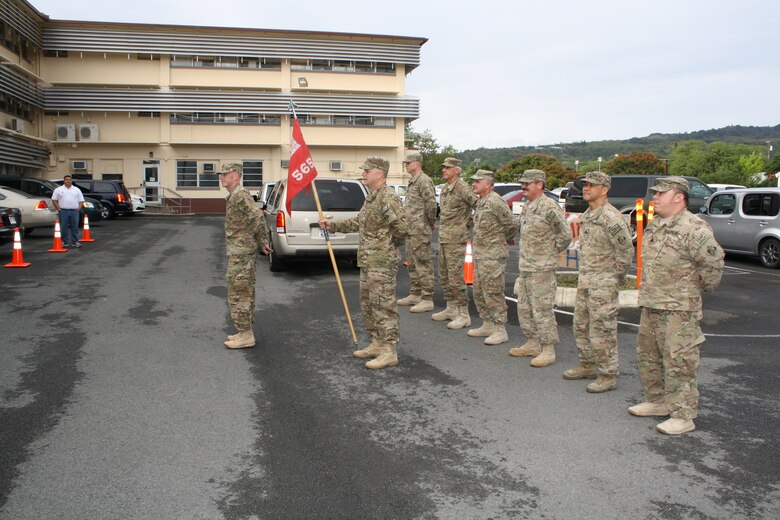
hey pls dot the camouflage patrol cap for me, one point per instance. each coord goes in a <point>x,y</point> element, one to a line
<point>375,162</point>
<point>232,167</point>
<point>412,156</point>
<point>598,178</point>
<point>663,184</point>
<point>483,175</point>
<point>451,161</point>
<point>533,176</point>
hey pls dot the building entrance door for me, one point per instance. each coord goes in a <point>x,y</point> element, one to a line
<point>152,182</point>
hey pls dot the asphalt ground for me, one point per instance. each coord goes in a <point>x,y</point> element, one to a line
<point>119,401</point>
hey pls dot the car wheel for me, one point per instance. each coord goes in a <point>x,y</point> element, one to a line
<point>27,231</point>
<point>275,263</point>
<point>104,212</point>
<point>110,213</point>
<point>769,251</point>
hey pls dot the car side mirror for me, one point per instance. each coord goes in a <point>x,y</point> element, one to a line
<point>263,205</point>
<point>255,198</point>
<point>703,210</point>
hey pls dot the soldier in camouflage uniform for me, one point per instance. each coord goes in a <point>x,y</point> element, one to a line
<point>544,233</point>
<point>494,230</point>
<point>245,236</point>
<point>420,219</point>
<point>681,260</point>
<point>382,227</point>
<point>455,223</point>
<point>605,257</point>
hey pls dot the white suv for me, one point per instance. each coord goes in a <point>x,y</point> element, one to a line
<point>298,236</point>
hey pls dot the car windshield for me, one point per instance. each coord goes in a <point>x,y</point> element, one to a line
<point>506,188</point>
<point>334,196</point>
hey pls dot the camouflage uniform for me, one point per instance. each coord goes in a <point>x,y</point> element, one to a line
<point>420,217</point>
<point>544,233</point>
<point>245,236</point>
<point>493,228</point>
<point>605,257</point>
<point>455,223</point>
<point>382,227</point>
<point>681,259</point>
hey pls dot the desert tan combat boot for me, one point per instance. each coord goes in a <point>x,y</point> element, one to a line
<point>647,409</point>
<point>529,348</point>
<point>373,350</point>
<point>423,306</point>
<point>584,371</point>
<point>546,358</point>
<point>450,313</point>
<point>676,426</point>
<point>498,336</point>
<point>462,320</point>
<point>412,299</point>
<point>388,358</point>
<point>603,383</point>
<point>482,332</point>
<point>244,339</point>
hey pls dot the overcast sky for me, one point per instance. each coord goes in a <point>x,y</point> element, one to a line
<point>510,73</point>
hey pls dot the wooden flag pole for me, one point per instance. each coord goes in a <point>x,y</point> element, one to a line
<point>333,261</point>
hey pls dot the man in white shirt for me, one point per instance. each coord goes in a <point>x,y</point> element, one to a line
<point>67,199</point>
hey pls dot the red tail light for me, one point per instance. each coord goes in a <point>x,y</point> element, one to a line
<point>41,205</point>
<point>281,222</point>
<point>120,197</point>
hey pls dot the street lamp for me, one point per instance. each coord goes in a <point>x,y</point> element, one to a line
<point>769,151</point>
<point>576,165</point>
<point>599,159</point>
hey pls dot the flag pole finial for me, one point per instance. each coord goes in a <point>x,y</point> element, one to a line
<point>292,109</point>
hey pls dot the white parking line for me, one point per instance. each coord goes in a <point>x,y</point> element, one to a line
<point>741,270</point>
<point>636,326</point>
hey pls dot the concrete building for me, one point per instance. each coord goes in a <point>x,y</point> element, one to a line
<point>161,107</point>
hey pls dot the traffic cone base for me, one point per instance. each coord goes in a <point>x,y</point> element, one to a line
<point>17,259</point>
<point>87,236</point>
<point>468,265</point>
<point>57,247</point>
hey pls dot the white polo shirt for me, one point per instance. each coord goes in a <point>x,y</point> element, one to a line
<point>68,198</point>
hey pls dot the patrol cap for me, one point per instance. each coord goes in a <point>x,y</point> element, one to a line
<point>451,161</point>
<point>232,167</point>
<point>375,162</point>
<point>663,184</point>
<point>598,178</point>
<point>483,175</point>
<point>412,156</point>
<point>533,176</point>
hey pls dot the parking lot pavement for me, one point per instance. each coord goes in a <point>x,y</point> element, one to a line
<point>119,401</point>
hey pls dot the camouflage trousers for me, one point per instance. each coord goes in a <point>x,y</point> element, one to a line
<point>241,273</point>
<point>451,257</point>
<point>667,356</point>
<point>378,303</point>
<point>489,283</point>
<point>535,300</point>
<point>419,256</point>
<point>595,327</point>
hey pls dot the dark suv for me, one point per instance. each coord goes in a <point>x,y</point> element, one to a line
<point>45,188</point>
<point>112,194</point>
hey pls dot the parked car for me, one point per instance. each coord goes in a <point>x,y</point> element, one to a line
<point>502,188</point>
<point>298,236</point>
<point>139,205</point>
<point>45,188</point>
<point>265,192</point>
<point>721,187</point>
<point>625,191</point>
<point>400,189</point>
<point>10,219</point>
<point>746,221</point>
<point>112,194</point>
<point>37,212</point>
<point>516,199</point>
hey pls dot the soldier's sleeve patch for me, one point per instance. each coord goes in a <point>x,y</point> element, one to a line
<point>552,219</point>
<point>621,240</point>
<point>712,250</point>
<point>614,230</point>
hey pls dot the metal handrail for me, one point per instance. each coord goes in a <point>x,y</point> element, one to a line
<point>170,201</point>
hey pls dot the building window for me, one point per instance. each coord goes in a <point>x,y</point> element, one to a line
<point>148,57</point>
<point>111,176</point>
<point>187,176</point>
<point>218,118</point>
<point>226,62</point>
<point>333,120</point>
<point>55,54</point>
<point>253,174</point>
<point>148,114</point>
<point>55,113</point>
<point>16,107</point>
<point>358,67</point>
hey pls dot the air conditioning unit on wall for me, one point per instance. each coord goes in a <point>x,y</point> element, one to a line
<point>66,132</point>
<point>335,166</point>
<point>78,165</point>
<point>209,167</point>
<point>88,133</point>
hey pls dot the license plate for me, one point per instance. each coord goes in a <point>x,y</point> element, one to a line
<point>12,219</point>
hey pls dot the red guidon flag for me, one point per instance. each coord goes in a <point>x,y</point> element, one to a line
<point>301,171</point>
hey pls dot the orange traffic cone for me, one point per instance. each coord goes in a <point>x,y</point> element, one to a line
<point>87,237</point>
<point>17,260</point>
<point>57,247</point>
<point>468,265</point>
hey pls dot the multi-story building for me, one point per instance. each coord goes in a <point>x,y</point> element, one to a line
<point>162,107</point>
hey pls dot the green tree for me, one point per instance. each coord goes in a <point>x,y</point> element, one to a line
<point>750,166</point>
<point>644,163</point>
<point>557,174</point>
<point>433,156</point>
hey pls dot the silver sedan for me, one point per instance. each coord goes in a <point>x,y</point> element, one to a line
<point>36,211</point>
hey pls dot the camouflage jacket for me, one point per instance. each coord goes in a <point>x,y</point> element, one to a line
<point>382,227</point>
<point>605,244</point>
<point>544,233</point>
<point>455,219</point>
<point>245,232</point>
<point>680,260</point>
<point>420,205</point>
<point>493,227</point>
